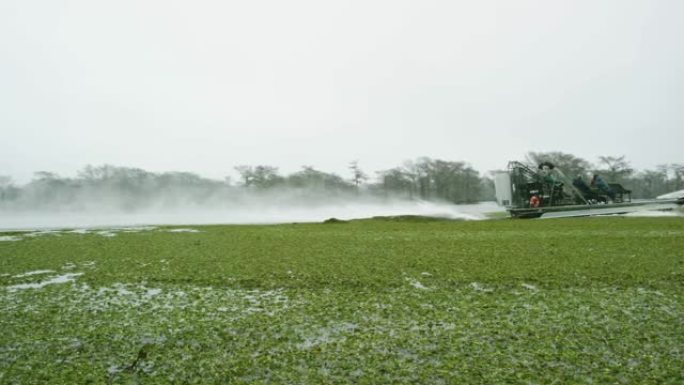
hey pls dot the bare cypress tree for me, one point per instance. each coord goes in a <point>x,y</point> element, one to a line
<point>358,176</point>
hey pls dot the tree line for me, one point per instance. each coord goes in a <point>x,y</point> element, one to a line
<point>423,178</point>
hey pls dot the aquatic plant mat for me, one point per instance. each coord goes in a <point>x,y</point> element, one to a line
<point>589,300</point>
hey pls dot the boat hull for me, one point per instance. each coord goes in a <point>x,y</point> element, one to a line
<point>596,209</point>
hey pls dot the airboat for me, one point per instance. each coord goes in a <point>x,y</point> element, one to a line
<point>545,191</point>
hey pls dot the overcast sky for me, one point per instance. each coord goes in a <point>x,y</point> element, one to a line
<point>204,86</point>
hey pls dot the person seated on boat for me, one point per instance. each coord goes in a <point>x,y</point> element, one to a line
<point>546,171</point>
<point>601,184</point>
<point>588,195</point>
<point>582,186</point>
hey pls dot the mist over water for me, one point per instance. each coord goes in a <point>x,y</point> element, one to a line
<point>107,195</point>
<point>266,208</point>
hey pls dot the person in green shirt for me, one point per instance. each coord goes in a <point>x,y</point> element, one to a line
<point>601,184</point>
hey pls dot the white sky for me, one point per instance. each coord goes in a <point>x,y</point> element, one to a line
<point>204,86</point>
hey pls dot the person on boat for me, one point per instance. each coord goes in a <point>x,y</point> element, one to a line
<point>546,171</point>
<point>582,186</point>
<point>598,182</point>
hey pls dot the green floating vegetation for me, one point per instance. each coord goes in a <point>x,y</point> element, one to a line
<point>588,300</point>
<point>411,218</point>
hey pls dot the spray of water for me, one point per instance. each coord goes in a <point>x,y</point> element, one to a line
<point>282,206</point>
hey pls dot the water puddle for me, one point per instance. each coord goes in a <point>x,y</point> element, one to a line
<point>416,284</point>
<point>69,277</point>
<point>34,272</point>
<point>183,231</point>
